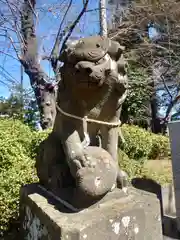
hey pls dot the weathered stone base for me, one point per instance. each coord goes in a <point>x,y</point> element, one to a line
<point>118,216</point>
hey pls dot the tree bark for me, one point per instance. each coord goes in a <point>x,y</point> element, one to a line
<point>43,89</point>
<point>103,18</point>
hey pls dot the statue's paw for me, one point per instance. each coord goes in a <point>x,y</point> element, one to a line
<point>90,161</point>
<point>82,161</point>
<point>100,174</point>
<point>122,179</point>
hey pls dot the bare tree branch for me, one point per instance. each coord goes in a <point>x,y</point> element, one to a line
<point>55,51</point>
<point>9,55</point>
<point>73,25</point>
<point>12,43</point>
<point>7,73</point>
<point>15,26</point>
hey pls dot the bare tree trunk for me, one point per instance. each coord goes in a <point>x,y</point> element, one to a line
<point>103,18</point>
<point>44,91</point>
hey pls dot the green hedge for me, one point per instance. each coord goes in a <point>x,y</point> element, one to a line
<point>136,168</point>
<point>141,144</point>
<point>130,166</point>
<point>18,146</point>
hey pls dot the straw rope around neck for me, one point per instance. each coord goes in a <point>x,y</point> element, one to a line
<point>85,120</point>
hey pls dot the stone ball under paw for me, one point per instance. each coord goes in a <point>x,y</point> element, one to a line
<point>100,177</point>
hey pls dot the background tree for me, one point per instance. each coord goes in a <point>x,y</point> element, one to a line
<point>150,31</point>
<point>135,109</point>
<point>12,107</point>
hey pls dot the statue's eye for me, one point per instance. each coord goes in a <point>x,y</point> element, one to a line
<point>98,45</point>
<point>108,71</point>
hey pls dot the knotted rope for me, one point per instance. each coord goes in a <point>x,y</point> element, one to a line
<point>85,120</point>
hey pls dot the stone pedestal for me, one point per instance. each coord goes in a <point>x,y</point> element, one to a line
<point>118,216</point>
<point>174,134</point>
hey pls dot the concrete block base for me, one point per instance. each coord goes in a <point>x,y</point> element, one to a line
<point>118,216</point>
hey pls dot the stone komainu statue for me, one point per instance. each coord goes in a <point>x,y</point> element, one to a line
<point>90,97</point>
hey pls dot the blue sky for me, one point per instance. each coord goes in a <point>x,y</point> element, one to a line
<point>46,29</point>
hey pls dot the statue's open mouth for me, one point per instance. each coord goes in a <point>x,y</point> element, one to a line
<point>96,80</point>
<point>92,73</point>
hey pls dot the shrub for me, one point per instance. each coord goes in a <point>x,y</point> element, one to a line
<point>15,140</point>
<point>130,166</point>
<point>160,147</point>
<point>141,144</point>
<point>138,143</point>
<point>139,93</point>
<point>10,182</point>
<point>18,146</point>
<point>16,167</point>
<point>138,169</point>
